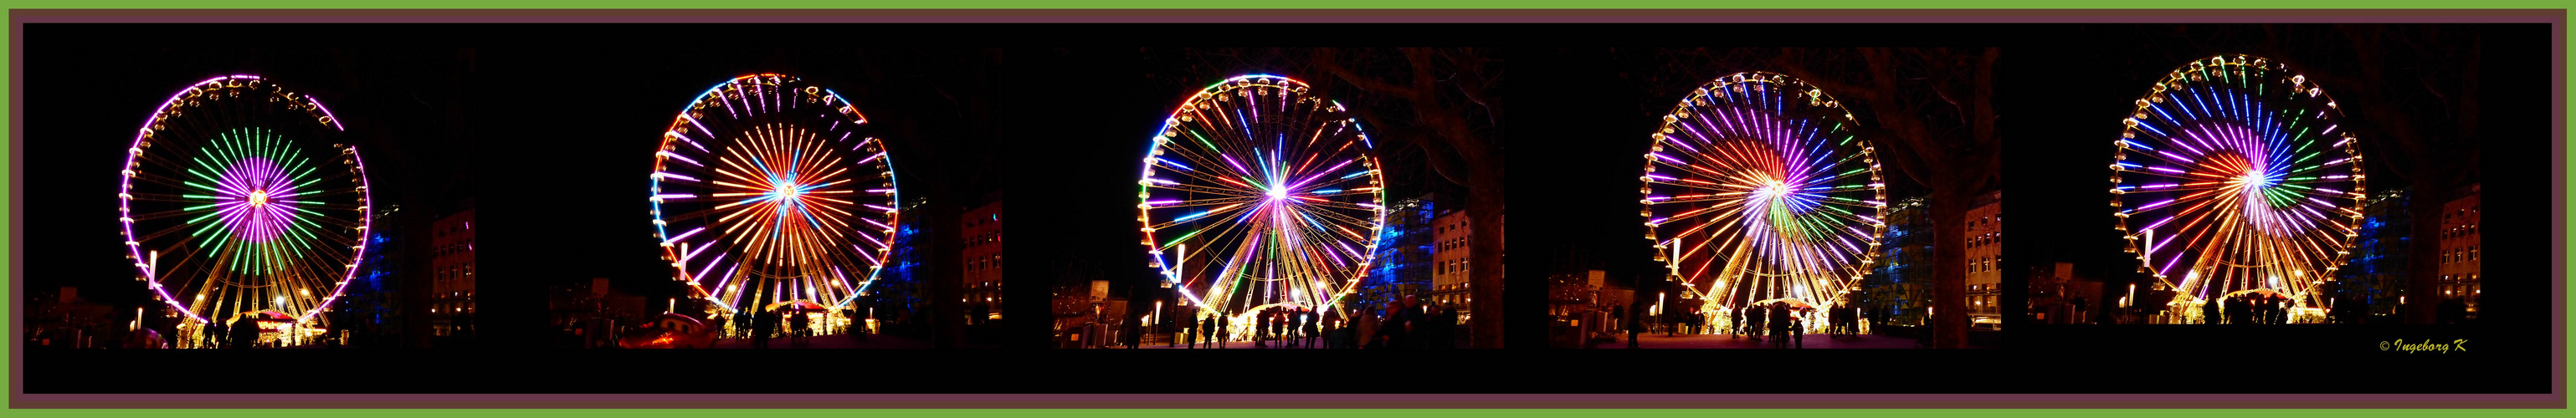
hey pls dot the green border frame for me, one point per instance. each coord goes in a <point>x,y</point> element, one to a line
<point>6,229</point>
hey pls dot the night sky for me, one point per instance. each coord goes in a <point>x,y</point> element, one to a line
<point>1077,149</point>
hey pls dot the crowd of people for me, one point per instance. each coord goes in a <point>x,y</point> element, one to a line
<point>2250,309</point>
<point>1405,323</point>
<point>761,327</point>
<point>1782,323</point>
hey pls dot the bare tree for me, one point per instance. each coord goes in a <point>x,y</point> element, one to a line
<point>2428,111</point>
<point>1449,103</point>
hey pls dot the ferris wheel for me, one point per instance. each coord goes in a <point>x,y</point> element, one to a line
<point>1756,189</point>
<point>237,205</point>
<point>1258,193</point>
<point>771,191</point>
<point>2234,174</point>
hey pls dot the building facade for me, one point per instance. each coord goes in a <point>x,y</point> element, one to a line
<point>452,264</point>
<point>981,230</point>
<point>1985,256</point>
<point>1449,258</point>
<point>2460,253</point>
<point>2060,296</point>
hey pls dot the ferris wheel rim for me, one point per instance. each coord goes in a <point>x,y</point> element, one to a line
<point>2198,73</point>
<point>683,120</point>
<point>143,264</point>
<point>1345,286</point>
<point>1818,99</point>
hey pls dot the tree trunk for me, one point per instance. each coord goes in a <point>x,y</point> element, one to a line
<point>947,306</point>
<point>1949,269</point>
<point>2424,252</point>
<point>1485,278</point>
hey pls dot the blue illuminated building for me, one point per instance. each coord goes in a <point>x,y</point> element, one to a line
<point>1900,286</point>
<point>371,307</point>
<point>1402,266</point>
<point>898,293</point>
<point>2376,274</point>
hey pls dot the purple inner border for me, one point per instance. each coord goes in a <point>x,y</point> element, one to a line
<point>2557,18</point>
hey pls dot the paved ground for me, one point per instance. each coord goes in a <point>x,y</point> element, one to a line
<point>831,341</point>
<point>1723,341</point>
<point>1238,345</point>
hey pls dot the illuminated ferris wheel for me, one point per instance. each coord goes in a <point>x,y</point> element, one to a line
<point>237,207</point>
<point>769,193</point>
<point>1757,190</point>
<point>1258,193</point>
<point>2234,175</point>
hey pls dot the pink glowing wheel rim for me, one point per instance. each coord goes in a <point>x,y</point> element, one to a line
<point>234,200</point>
<point>770,189</point>
<point>2235,174</point>
<point>1756,188</point>
<point>1258,193</point>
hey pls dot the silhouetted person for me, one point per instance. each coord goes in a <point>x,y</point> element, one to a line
<point>1735,323</point>
<point>1207,331</point>
<point>1779,321</point>
<point>215,333</point>
<point>762,325</point>
<point>1221,329</point>
<point>1797,330</point>
<point>1314,329</point>
<point>1752,318</point>
<point>1135,334</point>
<point>742,325</point>
<point>797,322</point>
<point>1448,324</point>
<point>2209,312</point>
<point>1636,324</point>
<point>1189,327</point>
<point>245,332</point>
<point>1673,324</point>
<point>1414,324</point>
<point>2281,310</point>
<point>1366,335</point>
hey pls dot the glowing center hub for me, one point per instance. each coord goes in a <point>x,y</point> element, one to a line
<point>2255,178</point>
<point>1276,193</point>
<point>788,190</point>
<point>259,198</point>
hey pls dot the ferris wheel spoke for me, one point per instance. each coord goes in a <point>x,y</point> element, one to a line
<point>1339,217</point>
<point>1211,214</point>
<point>1224,226</point>
<point>1203,189</point>
<point>1240,188</point>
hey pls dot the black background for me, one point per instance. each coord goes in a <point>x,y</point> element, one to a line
<point>560,99</point>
